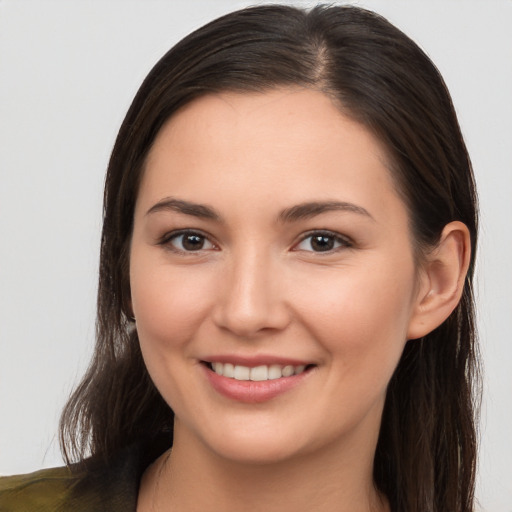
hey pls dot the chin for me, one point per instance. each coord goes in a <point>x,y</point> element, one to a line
<point>258,445</point>
<point>256,452</point>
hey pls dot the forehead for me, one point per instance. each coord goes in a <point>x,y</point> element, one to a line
<point>259,144</point>
<point>276,117</point>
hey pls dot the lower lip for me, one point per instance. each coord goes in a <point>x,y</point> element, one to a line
<point>252,391</point>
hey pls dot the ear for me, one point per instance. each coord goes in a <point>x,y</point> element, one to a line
<point>441,280</point>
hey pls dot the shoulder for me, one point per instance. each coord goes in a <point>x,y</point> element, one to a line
<point>43,490</point>
<point>105,487</point>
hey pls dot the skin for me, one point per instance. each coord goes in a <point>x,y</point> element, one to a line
<point>257,286</point>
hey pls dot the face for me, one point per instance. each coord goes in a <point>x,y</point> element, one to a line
<point>272,275</point>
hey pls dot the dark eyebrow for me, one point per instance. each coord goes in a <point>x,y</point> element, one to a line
<point>308,210</point>
<point>185,207</point>
<point>292,214</point>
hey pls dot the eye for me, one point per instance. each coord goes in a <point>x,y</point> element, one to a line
<point>188,241</point>
<point>322,241</point>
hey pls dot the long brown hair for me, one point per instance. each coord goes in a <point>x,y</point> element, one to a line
<point>426,453</point>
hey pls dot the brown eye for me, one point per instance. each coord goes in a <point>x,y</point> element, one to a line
<point>189,242</point>
<point>322,242</point>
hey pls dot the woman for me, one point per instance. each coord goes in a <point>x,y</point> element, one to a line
<point>285,282</point>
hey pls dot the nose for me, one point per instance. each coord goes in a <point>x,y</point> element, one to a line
<point>252,297</point>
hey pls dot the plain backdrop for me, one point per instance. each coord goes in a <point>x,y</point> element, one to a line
<point>68,71</point>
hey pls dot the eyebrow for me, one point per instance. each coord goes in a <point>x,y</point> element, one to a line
<point>295,213</point>
<point>308,210</point>
<point>185,207</point>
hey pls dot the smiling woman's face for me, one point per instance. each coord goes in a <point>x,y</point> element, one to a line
<point>272,275</point>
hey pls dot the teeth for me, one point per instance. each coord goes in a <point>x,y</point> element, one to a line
<point>274,372</point>
<point>228,370</point>
<point>218,368</point>
<point>288,371</point>
<point>242,372</point>
<point>257,373</point>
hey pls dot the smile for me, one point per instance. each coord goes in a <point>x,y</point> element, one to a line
<point>254,381</point>
<point>257,373</point>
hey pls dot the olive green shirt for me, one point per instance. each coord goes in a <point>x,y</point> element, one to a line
<point>104,487</point>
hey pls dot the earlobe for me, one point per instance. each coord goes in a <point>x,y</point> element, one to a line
<point>442,280</point>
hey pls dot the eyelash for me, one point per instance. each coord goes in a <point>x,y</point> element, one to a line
<point>169,237</point>
<point>343,242</point>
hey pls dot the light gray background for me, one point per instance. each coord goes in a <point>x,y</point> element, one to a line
<point>68,71</point>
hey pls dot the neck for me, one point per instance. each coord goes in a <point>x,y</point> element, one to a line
<point>193,478</point>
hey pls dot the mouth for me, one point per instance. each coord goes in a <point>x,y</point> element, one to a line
<point>255,379</point>
<point>256,373</point>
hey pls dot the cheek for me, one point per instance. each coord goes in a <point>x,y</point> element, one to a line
<point>168,304</point>
<point>361,323</point>
<point>169,307</point>
<point>360,318</point>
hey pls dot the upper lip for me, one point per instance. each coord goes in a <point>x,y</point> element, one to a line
<point>256,360</point>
